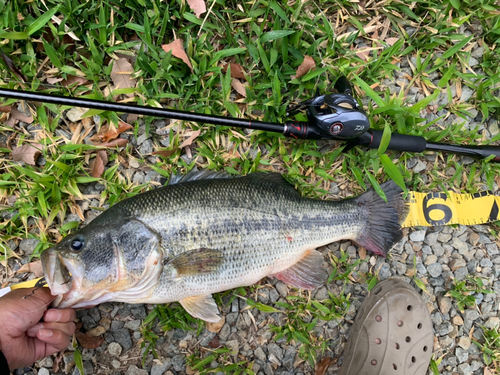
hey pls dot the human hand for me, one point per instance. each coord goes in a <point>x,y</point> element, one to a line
<point>23,338</point>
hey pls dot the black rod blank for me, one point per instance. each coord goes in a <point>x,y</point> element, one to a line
<point>141,110</point>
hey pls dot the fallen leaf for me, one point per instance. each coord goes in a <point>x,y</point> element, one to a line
<point>121,73</point>
<point>178,51</point>
<point>487,371</point>
<point>363,54</point>
<point>132,117</point>
<point>323,365</point>
<point>5,109</point>
<point>190,140</point>
<point>11,66</point>
<point>198,7</point>
<point>115,132</point>
<point>75,114</point>
<point>362,253</point>
<point>34,267</point>
<point>307,65</point>
<point>165,153</point>
<point>18,115</point>
<point>97,165</point>
<point>27,153</point>
<point>217,326</point>
<point>87,341</point>
<point>70,80</point>
<point>57,361</point>
<point>239,87</point>
<point>236,71</point>
<point>119,142</point>
<point>214,343</point>
<point>391,41</point>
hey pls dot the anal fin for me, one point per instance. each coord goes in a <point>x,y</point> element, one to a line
<point>308,273</point>
<point>203,307</point>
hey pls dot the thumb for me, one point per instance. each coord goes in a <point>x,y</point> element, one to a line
<point>31,301</point>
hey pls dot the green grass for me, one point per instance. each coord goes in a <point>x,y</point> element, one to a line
<point>269,40</point>
<point>490,348</point>
<point>463,292</point>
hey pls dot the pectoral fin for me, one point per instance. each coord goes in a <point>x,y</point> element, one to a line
<point>202,307</point>
<point>307,273</point>
<point>195,262</point>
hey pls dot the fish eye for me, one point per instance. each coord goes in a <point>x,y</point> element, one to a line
<point>77,243</point>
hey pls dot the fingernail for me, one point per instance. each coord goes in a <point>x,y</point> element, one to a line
<point>45,332</point>
<point>53,315</point>
<point>33,330</point>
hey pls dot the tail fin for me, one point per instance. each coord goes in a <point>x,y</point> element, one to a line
<point>384,219</point>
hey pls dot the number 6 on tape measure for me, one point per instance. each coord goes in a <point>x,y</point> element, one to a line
<point>431,209</point>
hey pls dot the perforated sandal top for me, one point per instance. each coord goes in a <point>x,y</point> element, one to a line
<point>392,333</point>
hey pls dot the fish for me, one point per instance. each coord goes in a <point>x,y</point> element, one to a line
<point>209,233</point>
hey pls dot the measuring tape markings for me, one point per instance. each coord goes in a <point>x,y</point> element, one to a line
<point>439,208</point>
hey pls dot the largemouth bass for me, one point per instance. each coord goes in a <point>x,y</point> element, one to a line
<point>184,242</point>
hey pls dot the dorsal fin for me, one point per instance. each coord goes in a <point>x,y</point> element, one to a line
<point>275,178</point>
<point>195,174</point>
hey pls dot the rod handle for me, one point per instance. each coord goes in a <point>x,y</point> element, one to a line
<point>399,142</point>
<point>301,130</point>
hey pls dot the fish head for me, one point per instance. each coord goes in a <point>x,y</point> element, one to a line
<point>104,261</point>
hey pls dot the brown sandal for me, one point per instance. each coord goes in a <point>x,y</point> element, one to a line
<point>392,333</point>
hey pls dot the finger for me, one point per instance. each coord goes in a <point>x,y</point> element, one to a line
<point>54,337</point>
<point>68,328</point>
<point>60,315</point>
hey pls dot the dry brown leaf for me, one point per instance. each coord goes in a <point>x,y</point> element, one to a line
<point>87,341</point>
<point>165,153</point>
<point>217,326</point>
<point>119,142</point>
<point>5,109</point>
<point>54,80</point>
<point>73,80</point>
<point>18,115</point>
<point>236,71</point>
<point>362,253</point>
<point>239,87</point>
<point>307,65</point>
<point>33,267</point>
<point>178,51</point>
<point>323,365</point>
<point>97,165</point>
<point>391,41</point>
<point>121,73</point>
<point>363,54</point>
<point>27,153</point>
<point>109,132</point>
<point>132,117</point>
<point>190,140</point>
<point>487,371</point>
<point>198,7</point>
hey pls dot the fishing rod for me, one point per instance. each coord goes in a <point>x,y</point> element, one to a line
<point>330,117</point>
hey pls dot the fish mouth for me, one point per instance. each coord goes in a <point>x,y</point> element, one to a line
<point>59,273</point>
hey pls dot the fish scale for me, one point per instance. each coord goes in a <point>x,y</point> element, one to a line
<point>186,241</point>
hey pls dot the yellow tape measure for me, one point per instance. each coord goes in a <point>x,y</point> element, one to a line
<point>433,209</point>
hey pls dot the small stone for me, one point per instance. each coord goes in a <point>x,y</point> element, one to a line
<point>114,349</point>
<point>141,139</point>
<point>466,93</point>
<point>435,269</point>
<point>464,342</point>
<point>384,272</point>
<point>473,62</point>
<point>259,353</point>
<point>75,114</point>
<point>146,147</point>
<point>46,362</point>
<point>461,354</point>
<point>457,320</point>
<point>464,369</point>
<point>444,305</point>
<point>461,273</point>
<point>418,235</point>
<point>160,369</point>
<point>273,359</point>
<point>183,344</point>
<point>97,331</point>
<point>115,363</point>
<point>460,245</point>
<point>28,245</point>
<point>444,329</point>
<point>420,167</point>
<point>179,363</point>
<point>133,324</point>
<point>234,346</point>
<point>470,315</point>
<point>69,362</point>
<point>134,370</point>
<point>282,288</point>
<point>492,322</point>
<point>430,259</point>
<point>122,337</point>
<point>43,371</point>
